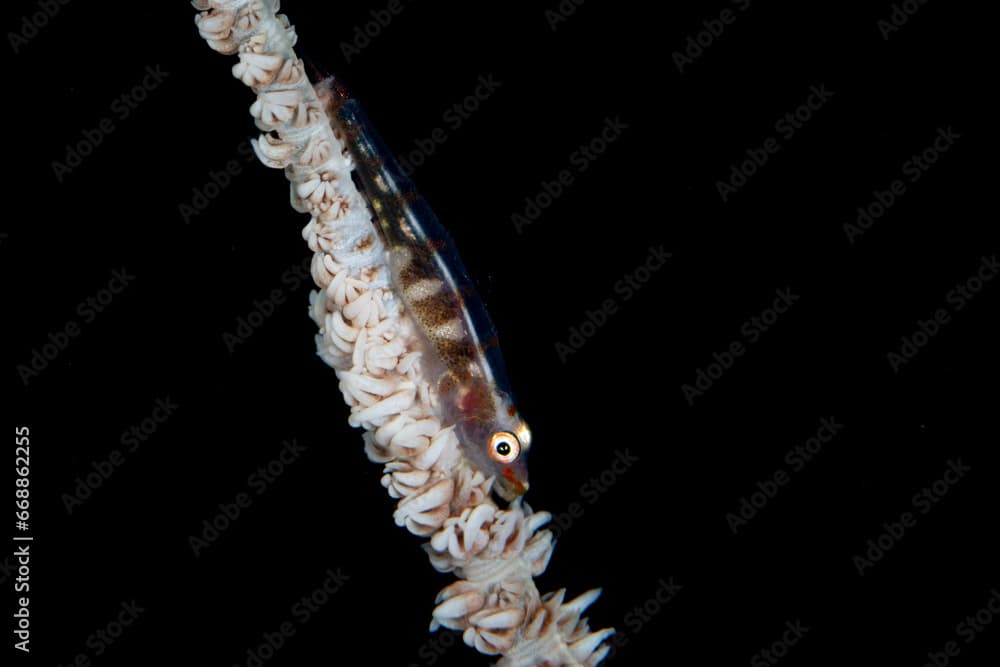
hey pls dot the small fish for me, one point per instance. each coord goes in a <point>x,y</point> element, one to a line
<point>460,349</point>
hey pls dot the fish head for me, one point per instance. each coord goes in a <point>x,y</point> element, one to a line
<point>498,445</point>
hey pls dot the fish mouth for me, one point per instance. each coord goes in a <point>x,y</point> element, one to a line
<point>509,488</point>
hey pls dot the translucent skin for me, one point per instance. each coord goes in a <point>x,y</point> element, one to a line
<point>478,411</point>
<point>460,351</point>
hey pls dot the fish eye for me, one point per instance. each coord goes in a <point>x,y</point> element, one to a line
<point>504,447</point>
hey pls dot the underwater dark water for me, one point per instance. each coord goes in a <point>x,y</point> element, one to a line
<point>745,284</point>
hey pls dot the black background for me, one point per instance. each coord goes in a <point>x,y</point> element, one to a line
<point>665,517</point>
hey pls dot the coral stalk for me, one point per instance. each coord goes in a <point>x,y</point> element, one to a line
<point>366,335</point>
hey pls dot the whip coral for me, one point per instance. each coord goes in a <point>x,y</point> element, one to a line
<point>370,338</point>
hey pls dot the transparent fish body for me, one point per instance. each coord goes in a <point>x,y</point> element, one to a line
<point>461,353</point>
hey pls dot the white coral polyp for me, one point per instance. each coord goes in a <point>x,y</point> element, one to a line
<point>367,338</point>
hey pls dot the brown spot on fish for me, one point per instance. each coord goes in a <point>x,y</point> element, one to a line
<point>411,272</point>
<point>435,311</point>
<point>455,354</point>
<point>438,309</point>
